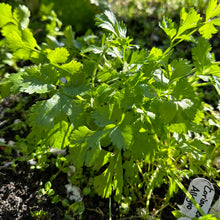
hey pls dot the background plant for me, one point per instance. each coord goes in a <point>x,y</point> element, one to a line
<point>134,118</point>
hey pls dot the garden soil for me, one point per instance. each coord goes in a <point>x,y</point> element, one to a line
<point>19,197</point>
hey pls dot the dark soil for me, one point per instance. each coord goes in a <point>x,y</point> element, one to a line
<point>19,194</point>
<point>19,197</point>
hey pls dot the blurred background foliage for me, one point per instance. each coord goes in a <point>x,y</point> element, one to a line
<point>80,13</point>
<point>140,16</point>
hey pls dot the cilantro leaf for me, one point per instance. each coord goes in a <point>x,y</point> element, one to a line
<point>101,119</point>
<point>187,21</point>
<point>10,84</point>
<point>139,57</point>
<point>216,83</point>
<point>121,136</point>
<point>186,110</point>
<point>201,55</point>
<point>212,10</point>
<point>183,89</point>
<point>58,55</point>
<point>208,29</point>
<point>57,136</point>
<point>109,22</point>
<point>117,138</point>
<point>44,114</point>
<point>166,110</point>
<point>144,146</point>
<point>93,147</point>
<point>71,67</point>
<point>111,179</point>
<point>5,14</point>
<point>72,72</point>
<point>80,135</point>
<point>89,142</point>
<point>33,81</point>
<point>21,15</point>
<point>180,68</point>
<point>169,27</point>
<point>21,42</point>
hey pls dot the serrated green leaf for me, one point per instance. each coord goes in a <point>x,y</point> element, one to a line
<point>185,104</point>
<point>75,90</point>
<point>216,83</point>
<point>169,27</point>
<point>70,36</point>
<point>161,82</point>
<point>10,84</point>
<point>74,110</point>
<point>80,135</point>
<point>101,119</point>
<point>5,14</point>
<point>117,138</point>
<point>58,136</point>
<point>201,55</point>
<point>180,68</point>
<point>155,54</point>
<point>183,89</point>
<point>46,113</point>
<point>105,74</point>
<point>188,21</point>
<point>144,146</point>
<point>33,81</point>
<point>208,29</point>
<point>93,48</point>
<point>212,10</point>
<point>50,73</point>
<point>58,55</point>
<point>121,136</point>
<point>93,147</point>
<point>89,142</point>
<point>111,179</point>
<point>72,73</point>
<point>166,110</point>
<point>127,133</point>
<point>103,158</point>
<point>21,15</point>
<point>108,21</point>
<point>148,91</point>
<point>186,111</point>
<point>199,117</point>
<point>71,67</point>
<point>115,52</point>
<point>214,70</point>
<point>21,42</point>
<point>178,127</point>
<point>139,57</point>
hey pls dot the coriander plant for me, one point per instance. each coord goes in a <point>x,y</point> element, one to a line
<point>134,117</point>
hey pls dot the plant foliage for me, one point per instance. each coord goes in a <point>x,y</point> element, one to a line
<point>133,116</point>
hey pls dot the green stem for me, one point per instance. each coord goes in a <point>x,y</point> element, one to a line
<point>97,64</point>
<point>216,63</point>
<point>181,186</point>
<point>202,84</point>
<point>150,188</point>
<point>72,97</point>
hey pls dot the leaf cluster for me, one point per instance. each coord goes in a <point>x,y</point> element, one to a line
<point>133,116</point>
